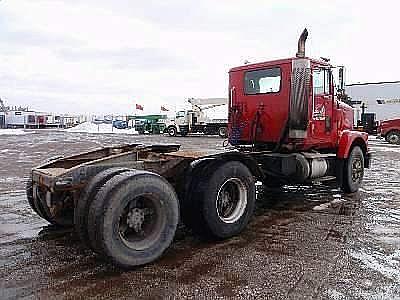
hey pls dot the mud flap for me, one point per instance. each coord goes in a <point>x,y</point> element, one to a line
<point>339,171</point>
<point>367,160</point>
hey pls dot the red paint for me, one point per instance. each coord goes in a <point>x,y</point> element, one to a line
<point>270,111</point>
<point>41,120</point>
<point>388,125</point>
<point>347,138</point>
<point>273,107</point>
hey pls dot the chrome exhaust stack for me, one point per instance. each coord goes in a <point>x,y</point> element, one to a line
<point>301,46</point>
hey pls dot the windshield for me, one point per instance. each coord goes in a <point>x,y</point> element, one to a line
<point>180,114</point>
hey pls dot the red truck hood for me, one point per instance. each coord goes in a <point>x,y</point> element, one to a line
<point>387,125</point>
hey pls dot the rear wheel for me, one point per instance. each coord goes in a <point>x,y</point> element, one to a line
<point>222,201</point>
<point>81,210</point>
<point>133,218</point>
<point>172,131</point>
<point>61,214</point>
<point>393,137</point>
<point>31,200</point>
<point>353,171</point>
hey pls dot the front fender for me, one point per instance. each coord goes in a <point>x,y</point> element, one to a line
<point>350,138</point>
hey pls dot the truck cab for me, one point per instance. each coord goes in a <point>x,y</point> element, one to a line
<point>290,105</point>
<point>390,130</point>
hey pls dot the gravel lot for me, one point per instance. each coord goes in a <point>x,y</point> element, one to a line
<point>303,243</point>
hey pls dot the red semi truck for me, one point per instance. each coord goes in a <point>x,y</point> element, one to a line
<point>390,130</point>
<point>286,126</point>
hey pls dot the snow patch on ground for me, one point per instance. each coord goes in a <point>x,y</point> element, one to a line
<point>13,132</point>
<point>382,145</point>
<point>387,265</point>
<point>89,127</point>
<point>327,205</point>
<point>336,295</point>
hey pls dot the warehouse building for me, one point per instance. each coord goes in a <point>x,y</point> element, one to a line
<point>379,98</point>
<point>2,120</point>
<point>25,119</point>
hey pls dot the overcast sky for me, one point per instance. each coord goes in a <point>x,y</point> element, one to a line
<point>104,56</point>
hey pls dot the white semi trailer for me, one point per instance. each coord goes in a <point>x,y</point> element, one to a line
<point>201,118</point>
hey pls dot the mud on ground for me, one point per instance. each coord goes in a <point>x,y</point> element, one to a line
<point>303,243</point>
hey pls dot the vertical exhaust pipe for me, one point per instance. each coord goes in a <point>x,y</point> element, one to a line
<point>301,46</point>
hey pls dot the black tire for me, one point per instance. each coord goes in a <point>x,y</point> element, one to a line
<point>209,214</point>
<point>133,218</point>
<point>386,138</point>
<point>189,207</point>
<point>353,171</point>
<point>29,196</point>
<point>81,210</point>
<point>393,137</point>
<point>223,132</point>
<point>43,211</point>
<point>172,131</point>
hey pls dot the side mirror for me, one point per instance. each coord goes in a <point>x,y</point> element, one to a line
<point>341,78</point>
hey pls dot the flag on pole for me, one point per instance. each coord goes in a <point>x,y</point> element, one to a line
<point>139,107</point>
<point>163,108</point>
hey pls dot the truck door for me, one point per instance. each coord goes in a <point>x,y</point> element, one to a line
<point>322,101</point>
<point>194,119</point>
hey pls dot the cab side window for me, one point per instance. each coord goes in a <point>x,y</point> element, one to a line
<point>321,81</point>
<point>262,81</point>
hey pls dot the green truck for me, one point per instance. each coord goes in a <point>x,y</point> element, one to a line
<point>152,124</point>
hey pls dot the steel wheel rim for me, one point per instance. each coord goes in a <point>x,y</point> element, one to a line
<point>141,221</point>
<point>394,139</point>
<point>357,170</point>
<point>231,200</point>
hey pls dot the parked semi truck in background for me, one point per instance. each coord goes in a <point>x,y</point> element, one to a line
<point>201,118</point>
<point>286,126</point>
<point>377,108</point>
<point>390,130</point>
<point>374,102</point>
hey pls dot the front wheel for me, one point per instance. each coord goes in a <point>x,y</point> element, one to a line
<point>172,131</point>
<point>353,171</point>
<point>393,137</point>
<point>223,132</point>
<point>222,201</point>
